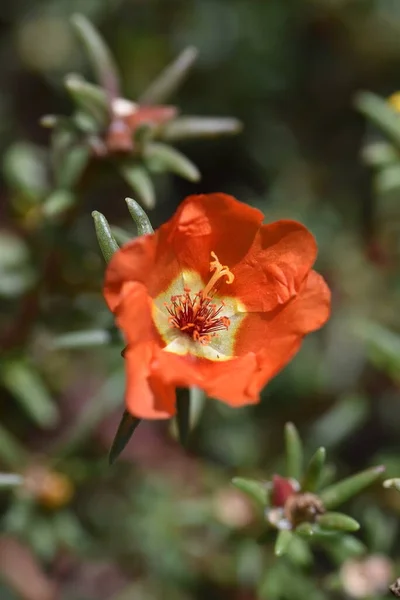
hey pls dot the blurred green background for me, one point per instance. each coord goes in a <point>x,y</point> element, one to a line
<point>164,522</point>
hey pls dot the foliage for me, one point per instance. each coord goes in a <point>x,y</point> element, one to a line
<point>311,82</point>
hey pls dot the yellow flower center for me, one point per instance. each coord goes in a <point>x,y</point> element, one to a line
<point>196,314</point>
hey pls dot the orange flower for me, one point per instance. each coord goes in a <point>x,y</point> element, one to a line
<point>213,299</point>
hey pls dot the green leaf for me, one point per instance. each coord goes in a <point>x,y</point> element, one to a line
<point>83,339</point>
<point>197,403</point>
<point>99,55</point>
<point>12,454</point>
<point>380,154</point>
<point>183,414</point>
<point>140,182</point>
<point>107,243</point>
<point>294,452</point>
<point>387,179</point>
<point>170,79</point>
<point>137,213</point>
<point>340,492</point>
<point>91,98</point>
<point>124,433</point>
<point>73,160</point>
<point>26,385</point>
<point>256,490</point>
<point>337,521</point>
<point>314,470</point>
<point>120,235</point>
<point>184,128</point>
<point>380,113</point>
<point>10,480</point>
<point>283,541</point>
<point>25,169</point>
<point>161,157</point>
<point>57,203</point>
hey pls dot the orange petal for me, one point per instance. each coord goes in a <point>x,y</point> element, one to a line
<point>275,266</point>
<point>230,381</point>
<point>212,222</point>
<point>148,259</point>
<point>145,398</point>
<point>277,336</point>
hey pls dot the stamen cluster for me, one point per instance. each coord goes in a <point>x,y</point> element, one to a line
<point>197,315</point>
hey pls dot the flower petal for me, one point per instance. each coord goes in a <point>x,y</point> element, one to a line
<point>145,396</point>
<point>148,259</point>
<point>275,267</point>
<point>277,336</point>
<point>212,223</point>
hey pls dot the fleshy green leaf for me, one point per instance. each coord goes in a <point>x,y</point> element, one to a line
<point>380,154</point>
<point>340,492</point>
<point>25,169</point>
<point>12,453</point>
<point>140,182</point>
<point>283,541</point>
<point>252,488</point>
<point>89,97</point>
<point>120,235</point>
<point>124,433</point>
<point>57,203</point>
<point>139,216</point>
<point>83,339</point>
<point>107,243</point>
<point>184,128</point>
<point>170,79</point>
<point>337,521</point>
<point>26,385</point>
<point>10,480</point>
<point>387,179</point>
<point>161,157</point>
<point>99,55</point>
<point>294,452</point>
<point>380,113</point>
<point>314,470</point>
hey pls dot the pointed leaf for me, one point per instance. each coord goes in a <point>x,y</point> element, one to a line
<point>89,97</point>
<point>170,79</point>
<point>184,128</point>
<point>283,541</point>
<point>107,243</point>
<point>380,113</point>
<point>183,415</point>
<point>340,492</point>
<point>120,235</point>
<point>26,385</point>
<point>124,433</point>
<point>380,154</point>
<point>294,452</point>
<point>57,203</point>
<point>12,454</point>
<point>10,480</point>
<point>197,403</point>
<point>337,521</point>
<point>314,470</point>
<point>139,216</point>
<point>140,182</point>
<point>161,157</point>
<point>99,55</point>
<point>257,490</point>
<point>83,339</point>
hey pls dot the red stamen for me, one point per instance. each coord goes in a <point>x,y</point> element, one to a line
<point>196,316</point>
